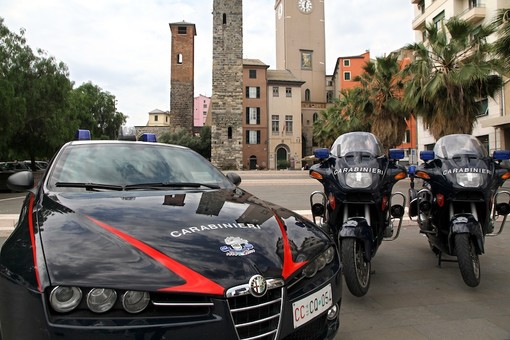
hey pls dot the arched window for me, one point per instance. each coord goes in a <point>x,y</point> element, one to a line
<point>229,132</point>
<point>315,116</point>
<point>224,18</point>
<point>307,95</point>
<point>179,58</point>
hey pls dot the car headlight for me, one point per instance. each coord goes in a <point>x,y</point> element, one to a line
<point>319,262</point>
<point>469,180</point>
<point>358,179</point>
<point>65,299</point>
<point>100,300</point>
<point>134,301</point>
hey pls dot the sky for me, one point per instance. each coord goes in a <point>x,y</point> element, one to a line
<point>123,46</point>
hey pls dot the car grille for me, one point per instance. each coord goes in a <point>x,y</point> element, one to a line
<point>257,317</point>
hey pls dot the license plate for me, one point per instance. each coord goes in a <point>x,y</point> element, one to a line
<point>312,306</point>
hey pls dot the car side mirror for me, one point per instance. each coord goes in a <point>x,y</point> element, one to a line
<point>234,178</point>
<point>21,181</point>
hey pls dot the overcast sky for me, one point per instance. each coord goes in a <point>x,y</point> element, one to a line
<point>123,46</point>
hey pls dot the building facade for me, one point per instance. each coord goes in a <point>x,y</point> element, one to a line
<point>493,124</point>
<point>285,136</point>
<point>301,49</point>
<point>255,146</point>
<point>201,105</point>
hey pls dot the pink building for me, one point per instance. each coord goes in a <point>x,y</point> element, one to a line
<point>200,109</point>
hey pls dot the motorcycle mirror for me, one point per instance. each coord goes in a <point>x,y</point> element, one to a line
<point>501,155</point>
<point>427,155</point>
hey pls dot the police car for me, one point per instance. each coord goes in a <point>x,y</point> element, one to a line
<point>144,240</point>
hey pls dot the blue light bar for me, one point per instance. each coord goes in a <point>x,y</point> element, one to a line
<point>321,153</point>
<point>397,153</point>
<point>427,155</point>
<point>82,135</point>
<point>148,137</point>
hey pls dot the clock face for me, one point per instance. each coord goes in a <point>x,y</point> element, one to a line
<point>305,6</point>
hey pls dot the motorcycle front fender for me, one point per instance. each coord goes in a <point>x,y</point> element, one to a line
<point>357,227</point>
<point>467,224</point>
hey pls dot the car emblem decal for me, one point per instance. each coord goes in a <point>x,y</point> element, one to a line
<point>258,285</point>
<point>237,246</point>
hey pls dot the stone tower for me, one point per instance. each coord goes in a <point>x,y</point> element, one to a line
<point>182,67</point>
<point>227,85</point>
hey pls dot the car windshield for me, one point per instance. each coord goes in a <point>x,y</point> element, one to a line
<point>119,166</point>
<point>356,142</point>
<point>452,145</point>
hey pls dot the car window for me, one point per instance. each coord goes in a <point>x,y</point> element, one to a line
<point>132,163</point>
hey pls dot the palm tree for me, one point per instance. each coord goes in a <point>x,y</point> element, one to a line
<point>452,72</point>
<point>344,116</point>
<point>381,93</point>
<point>502,45</point>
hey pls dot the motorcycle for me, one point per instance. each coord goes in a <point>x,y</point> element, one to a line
<point>460,201</point>
<point>357,204</point>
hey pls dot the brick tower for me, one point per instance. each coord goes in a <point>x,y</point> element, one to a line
<point>182,75</point>
<point>227,85</point>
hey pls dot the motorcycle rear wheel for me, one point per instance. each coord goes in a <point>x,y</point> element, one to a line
<point>468,260</point>
<point>356,269</point>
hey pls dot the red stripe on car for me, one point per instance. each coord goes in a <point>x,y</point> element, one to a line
<point>32,239</point>
<point>195,282</point>
<point>289,266</point>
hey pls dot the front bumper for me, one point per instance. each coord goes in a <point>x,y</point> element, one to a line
<point>24,315</point>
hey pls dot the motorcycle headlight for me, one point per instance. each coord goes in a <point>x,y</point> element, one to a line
<point>358,179</point>
<point>469,180</point>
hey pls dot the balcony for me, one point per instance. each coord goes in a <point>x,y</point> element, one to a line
<point>419,22</point>
<point>475,13</point>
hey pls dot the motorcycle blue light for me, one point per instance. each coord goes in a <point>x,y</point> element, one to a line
<point>501,155</point>
<point>321,153</point>
<point>397,153</point>
<point>427,155</point>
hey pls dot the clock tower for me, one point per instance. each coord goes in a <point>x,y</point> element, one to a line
<point>301,49</point>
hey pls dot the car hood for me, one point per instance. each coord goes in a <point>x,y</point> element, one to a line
<point>183,241</point>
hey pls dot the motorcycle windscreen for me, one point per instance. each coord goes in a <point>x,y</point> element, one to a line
<point>356,142</point>
<point>459,144</point>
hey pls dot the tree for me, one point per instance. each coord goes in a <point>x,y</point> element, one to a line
<point>200,144</point>
<point>344,116</point>
<point>95,110</point>
<point>381,99</point>
<point>33,101</point>
<point>450,76</point>
<point>502,44</point>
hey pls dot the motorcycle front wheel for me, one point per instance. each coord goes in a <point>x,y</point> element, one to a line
<point>468,260</point>
<point>356,269</point>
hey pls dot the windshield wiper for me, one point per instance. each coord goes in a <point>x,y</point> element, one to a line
<point>89,186</point>
<point>170,185</point>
